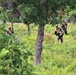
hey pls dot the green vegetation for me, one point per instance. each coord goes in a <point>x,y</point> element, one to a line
<point>13,55</point>
<point>57,58</point>
<point>20,51</point>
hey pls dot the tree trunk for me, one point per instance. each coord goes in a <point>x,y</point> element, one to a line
<point>12,26</point>
<point>39,41</point>
<point>28,28</point>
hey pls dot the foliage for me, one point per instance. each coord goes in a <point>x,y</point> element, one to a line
<point>37,11</point>
<point>6,15</point>
<point>56,58</point>
<point>34,11</point>
<point>3,15</point>
<point>13,55</point>
<point>72,13</point>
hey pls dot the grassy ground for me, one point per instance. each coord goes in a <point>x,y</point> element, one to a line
<point>57,58</point>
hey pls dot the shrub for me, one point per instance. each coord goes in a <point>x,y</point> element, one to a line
<point>13,56</point>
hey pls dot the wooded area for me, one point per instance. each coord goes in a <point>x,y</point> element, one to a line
<point>29,35</point>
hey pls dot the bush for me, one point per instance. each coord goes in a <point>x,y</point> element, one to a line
<point>13,56</point>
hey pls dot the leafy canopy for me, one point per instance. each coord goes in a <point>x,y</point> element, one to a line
<point>37,10</point>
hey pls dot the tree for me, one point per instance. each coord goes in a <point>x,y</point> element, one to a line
<point>10,12</point>
<point>36,11</point>
<point>23,16</point>
<point>13,16</point>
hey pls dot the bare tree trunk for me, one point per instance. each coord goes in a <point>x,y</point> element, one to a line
<point>28,28</point>
<point>39,41</point>
<point>12,26</point>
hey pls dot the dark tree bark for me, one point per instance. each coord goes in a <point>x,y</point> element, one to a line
<point>12,26</point>
<point>28,27</point>
<point>39,46</point>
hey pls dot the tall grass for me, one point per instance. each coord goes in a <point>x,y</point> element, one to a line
<point>57,58</point>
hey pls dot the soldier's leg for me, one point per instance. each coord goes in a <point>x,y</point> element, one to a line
<point>58,38</point>
<point>61,39</point>
<point>66,31</point>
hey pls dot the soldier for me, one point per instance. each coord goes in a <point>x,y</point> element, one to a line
<point>64,27</point>
<point>59,33</point>
<point>10,31</point>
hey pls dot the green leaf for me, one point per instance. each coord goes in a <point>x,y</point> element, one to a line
<point>1,67</point>
<point>3,53</point>
<point>8,61</point>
